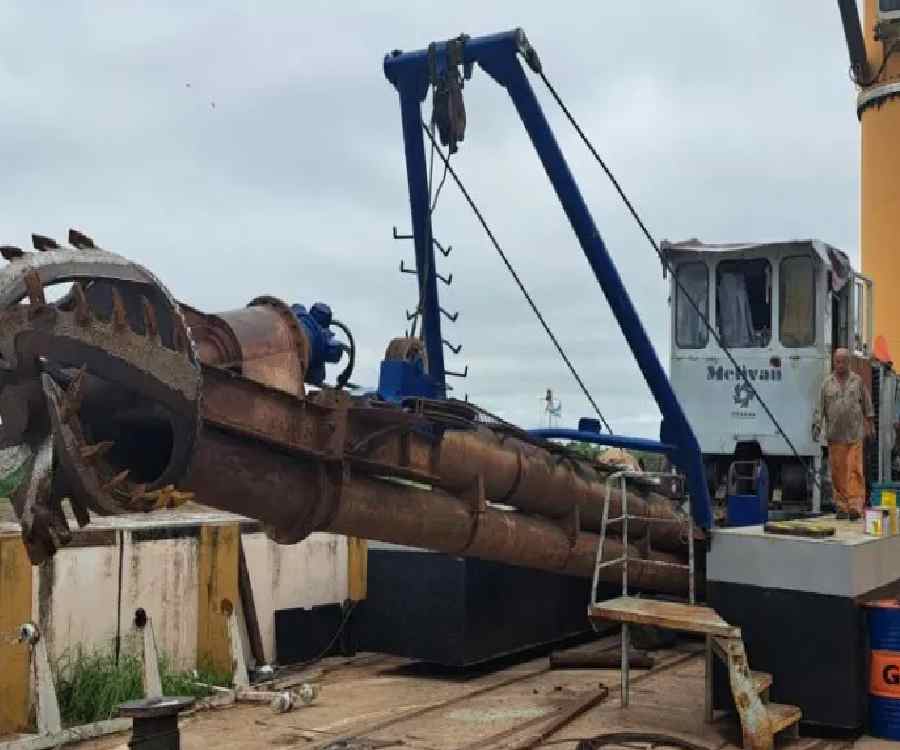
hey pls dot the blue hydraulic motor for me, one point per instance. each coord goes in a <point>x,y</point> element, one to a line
<point>323,346</point>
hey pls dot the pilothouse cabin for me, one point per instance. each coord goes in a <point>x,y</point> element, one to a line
<point>780,308</point>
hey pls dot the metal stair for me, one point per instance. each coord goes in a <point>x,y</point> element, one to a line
<point>760,719</point>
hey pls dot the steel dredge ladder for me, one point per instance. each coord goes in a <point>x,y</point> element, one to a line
<point>760,719</point>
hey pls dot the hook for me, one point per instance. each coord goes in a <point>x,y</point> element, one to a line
<point>440,247</point>
<point>451,318</point>
<point>445,251</point>
<point>455,349</point>
<point>462,374</point>
<point>404,269</point>
<point>448,280</point>
<point>411,315</point>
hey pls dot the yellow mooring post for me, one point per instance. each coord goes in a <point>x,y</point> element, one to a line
<point>878,108</point>
<point>218,595</point>
<point>15,658</point>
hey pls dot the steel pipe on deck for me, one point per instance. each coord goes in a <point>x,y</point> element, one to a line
<point>295,497</point>
<point>531,478</point>
<point>269,346</point>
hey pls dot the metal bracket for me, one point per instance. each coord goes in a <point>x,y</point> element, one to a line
<point>150,656</point>
<point>475,497</point>
<point>47,709</point>
<point>463,374</point>
<point>451,318</point>
<point>439,246</point>
<point>571,525</point>
<point>444,251</point>
<point>448,280</point>
<point>241,678</point>
<point>328,493</point>
<point>404,269</point>
<point>455,349</point>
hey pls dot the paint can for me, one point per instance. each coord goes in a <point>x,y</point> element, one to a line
<point>884,493</point>
<point>884,668</point>
<point>880,521</point>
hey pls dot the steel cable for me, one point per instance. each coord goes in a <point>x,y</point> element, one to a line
<point>509,267</point>
<point>668,266</point>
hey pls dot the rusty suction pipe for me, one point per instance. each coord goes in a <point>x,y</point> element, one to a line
<point>243,476</point>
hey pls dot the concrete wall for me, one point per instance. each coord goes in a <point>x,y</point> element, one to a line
<point>86,596</point>
<point>161,577</point>
<point>76,595</point>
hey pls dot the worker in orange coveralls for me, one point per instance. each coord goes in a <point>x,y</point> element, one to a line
<point>845,407</point>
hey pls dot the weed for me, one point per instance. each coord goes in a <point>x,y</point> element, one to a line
<point>10,481</point>
<point>91,685</point>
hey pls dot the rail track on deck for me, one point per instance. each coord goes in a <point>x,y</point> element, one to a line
<point>364,733</point>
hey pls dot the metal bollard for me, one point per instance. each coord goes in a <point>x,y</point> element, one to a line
<point>154,722</point>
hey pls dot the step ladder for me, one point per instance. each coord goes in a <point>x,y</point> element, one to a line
<point>760,719</point>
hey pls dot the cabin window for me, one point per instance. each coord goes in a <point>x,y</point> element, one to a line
<point>797,302</point>
<point>744,302</point>
<point>693,284</point>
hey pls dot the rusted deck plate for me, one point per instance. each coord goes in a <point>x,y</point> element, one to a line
<point>672,615</point>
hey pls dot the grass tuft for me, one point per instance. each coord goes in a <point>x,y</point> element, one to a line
<point>91,685</point>
<point>11,481</point>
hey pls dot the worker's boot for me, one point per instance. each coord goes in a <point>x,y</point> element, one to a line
<point>842,515</point>
<point>854,515</point>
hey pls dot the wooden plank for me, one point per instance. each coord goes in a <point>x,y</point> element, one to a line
<point>357,568</point>
<point>249,606</point>
<point>15,610</point>
<point>564,719</point>
<point>609,659</point>
<point>218,590</point>
<point>601,644</point>
<point>671,615</point>
<point>428,708</point>
<point>798,528</point>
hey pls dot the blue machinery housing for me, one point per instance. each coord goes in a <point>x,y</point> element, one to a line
<point>498,56</point>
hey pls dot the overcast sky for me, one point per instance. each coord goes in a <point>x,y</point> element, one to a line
<point>724,121</point>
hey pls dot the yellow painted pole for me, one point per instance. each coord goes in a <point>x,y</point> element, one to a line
<point>218,595</point>
<point>15,658</point>
<point>879,113</point>
<point>357,568</point>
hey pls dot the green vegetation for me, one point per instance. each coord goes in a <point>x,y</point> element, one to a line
<point>90,686</point>
<point>9,482</point>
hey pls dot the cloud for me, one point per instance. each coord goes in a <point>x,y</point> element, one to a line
<point>727,125</point>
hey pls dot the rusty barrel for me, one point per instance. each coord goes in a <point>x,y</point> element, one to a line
<point>884,668</point>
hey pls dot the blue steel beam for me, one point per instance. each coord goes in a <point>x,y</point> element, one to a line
<point>412,88</point>
<point>497,54</point>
